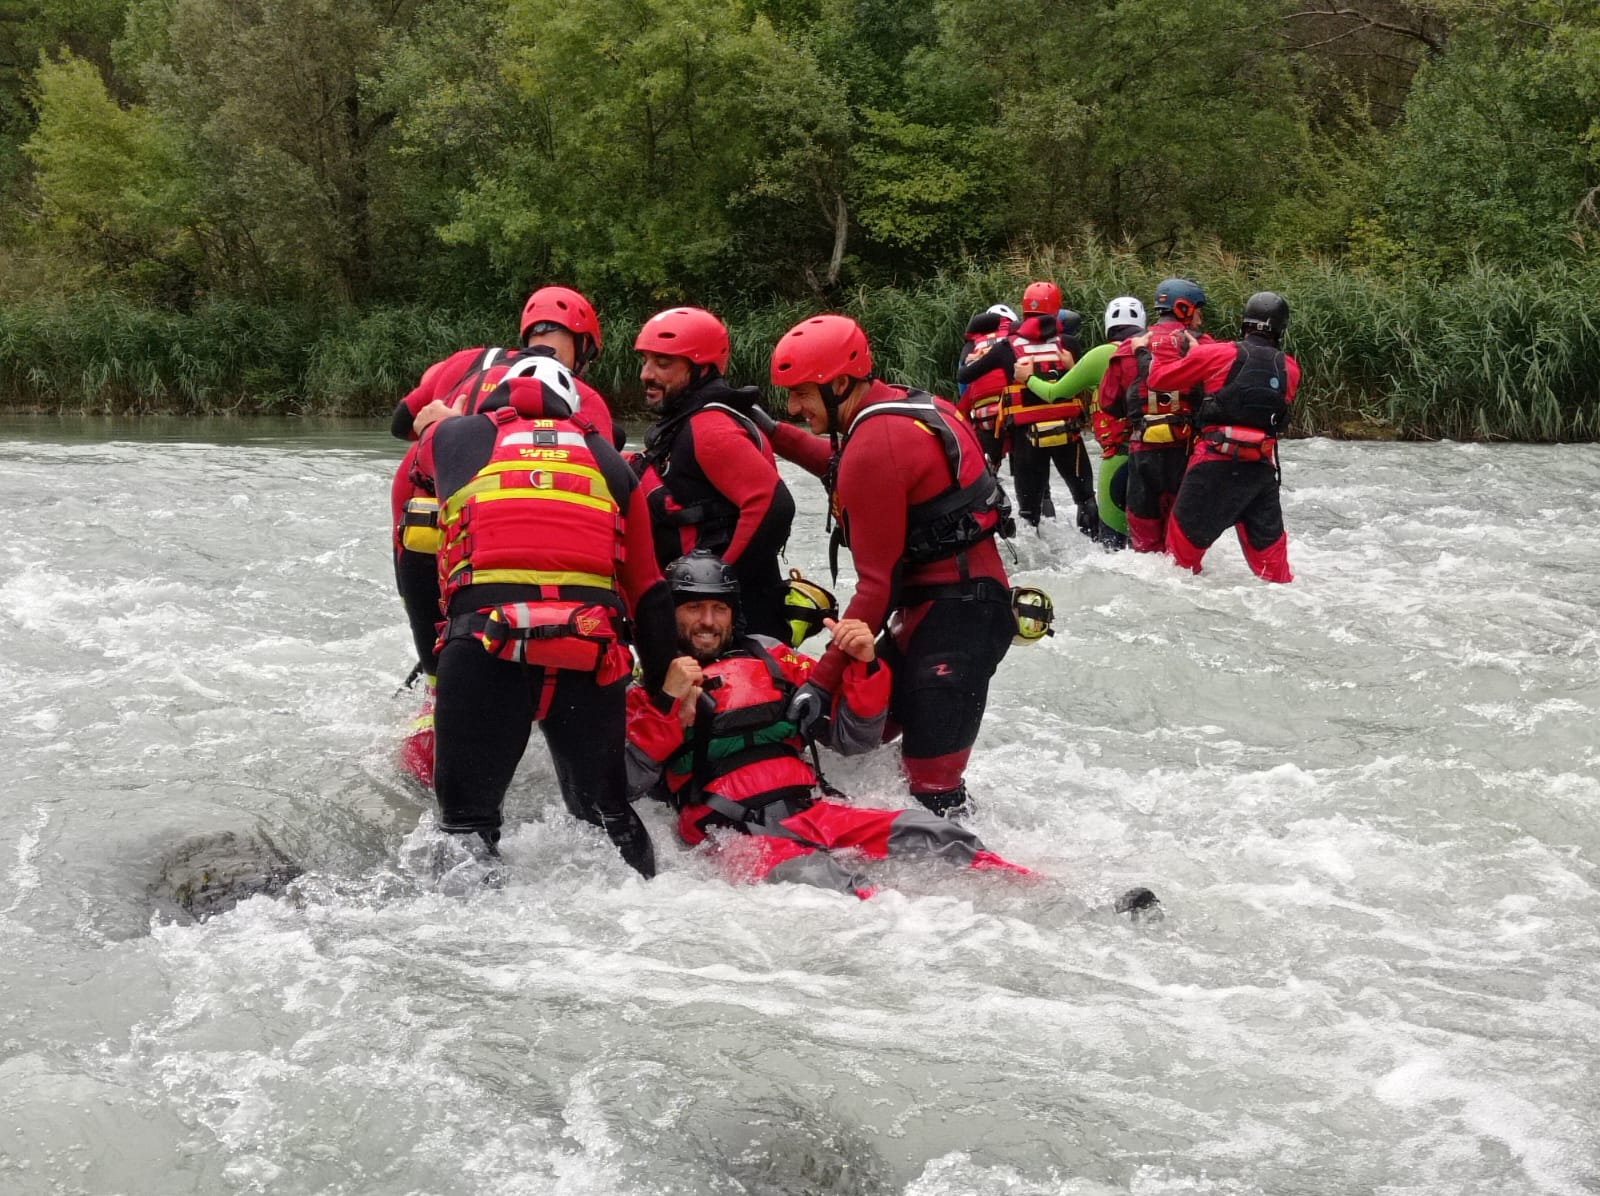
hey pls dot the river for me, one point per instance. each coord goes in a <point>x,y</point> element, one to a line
<point>1370,802</point>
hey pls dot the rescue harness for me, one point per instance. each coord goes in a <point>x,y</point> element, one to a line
<point>1241,421</point>
<point>712,514</point>
<point>941,527</point>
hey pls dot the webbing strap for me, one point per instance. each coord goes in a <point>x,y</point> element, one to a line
<point>534,577</point>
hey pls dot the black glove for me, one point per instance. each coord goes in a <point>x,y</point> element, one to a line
<point>1089,519</point>
<point>806,708</point>
<point>632,840</point>
<point>655,634</point>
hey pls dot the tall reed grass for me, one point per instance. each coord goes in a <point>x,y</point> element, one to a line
<point>1487,354</point>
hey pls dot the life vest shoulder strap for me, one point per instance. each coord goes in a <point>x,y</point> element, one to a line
<point>919,407</point>
<point>746,424</point>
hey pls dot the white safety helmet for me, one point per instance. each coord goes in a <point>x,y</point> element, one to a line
<point>1000,309</point>
<point>555,377</point>
<point>1124,311</point>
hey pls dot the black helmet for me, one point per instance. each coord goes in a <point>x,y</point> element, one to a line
<point>1266,313</point>
<point>1068,322</point>
<point>983,323</point>
<point>702,574</point>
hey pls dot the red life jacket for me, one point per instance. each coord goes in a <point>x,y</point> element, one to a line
<point>487,373</point>
<point>970,511</point>
<point>1110,430</point>
<point>471,391</point>
<point>538,513</point>
<point>983,396</point>
<point>1023,408</point>
<point>1158,418</point>
<point>748,749</point>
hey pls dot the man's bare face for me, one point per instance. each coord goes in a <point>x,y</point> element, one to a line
<point>705,628</point>
<point>663,376</point>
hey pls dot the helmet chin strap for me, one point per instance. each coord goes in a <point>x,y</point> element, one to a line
<point>833,396</point>
<point>586,353</point>
<point>699,375</point>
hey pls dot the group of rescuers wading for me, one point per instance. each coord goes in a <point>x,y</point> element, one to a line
<point>535,559</point>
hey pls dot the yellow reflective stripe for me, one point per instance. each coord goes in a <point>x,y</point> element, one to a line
<point>533,464</point>
<point>488,484</point>
<point>583,500</point>
<point>478,485</point>
<point>539,577</point>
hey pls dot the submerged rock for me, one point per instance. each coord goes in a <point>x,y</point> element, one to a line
<point>210,874</point>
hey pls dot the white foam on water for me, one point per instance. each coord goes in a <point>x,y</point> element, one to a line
<point>1367,800</point>
<point>24,874</point>
<point>1551,1162</point>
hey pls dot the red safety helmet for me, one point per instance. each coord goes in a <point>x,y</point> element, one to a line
<point>819,350</point>
<point>1041,298</point>
<point>564,307</point>
<point>690,332</point>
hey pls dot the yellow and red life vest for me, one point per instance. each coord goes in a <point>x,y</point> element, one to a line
<point>539,513</point>
<point>1048,423</point>
<point>1157,417</point>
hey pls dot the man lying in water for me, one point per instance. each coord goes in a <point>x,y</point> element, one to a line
<point>728,734</point>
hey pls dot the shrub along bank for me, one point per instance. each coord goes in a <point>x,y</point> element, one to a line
<point>1484,354</point>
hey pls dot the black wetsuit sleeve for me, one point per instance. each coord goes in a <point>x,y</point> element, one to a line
<point>655,634</point>
<point>400,423</point>
<point>461,446</point>
<point>1001,357</point>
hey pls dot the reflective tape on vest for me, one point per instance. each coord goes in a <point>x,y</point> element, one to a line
<point>538,480</point>
<point>535,577</point>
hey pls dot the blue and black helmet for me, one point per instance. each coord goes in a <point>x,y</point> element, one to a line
<point>1179,297</point>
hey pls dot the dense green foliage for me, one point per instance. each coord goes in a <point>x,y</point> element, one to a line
<point>1484,354</point>
<point>297,202</point>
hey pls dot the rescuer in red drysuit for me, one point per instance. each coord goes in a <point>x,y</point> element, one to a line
<point>1160,422</point>
<point>544,564</point>
<point>988,361</point>
<point>708,472</point>
<point>718,735</point>
<point>918,507</point>
<point>556,321</point>
<point>1233,476</point>
<point>1043,432</point>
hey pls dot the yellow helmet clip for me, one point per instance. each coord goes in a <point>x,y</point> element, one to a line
<point>806,605</point>
<point>1033,612</point>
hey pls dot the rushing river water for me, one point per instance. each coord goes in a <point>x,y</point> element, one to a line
<point>1370,801</point>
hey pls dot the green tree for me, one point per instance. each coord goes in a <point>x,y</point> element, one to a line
<point>643,145</point>
<point>918,189</point>
<point>31,30</point>
<point>279,134</point>
<point>1496,156</point>
<point>111,180</point>
<point>1146,121</point>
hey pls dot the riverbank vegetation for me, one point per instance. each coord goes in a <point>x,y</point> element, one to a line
<point>296,205</point>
